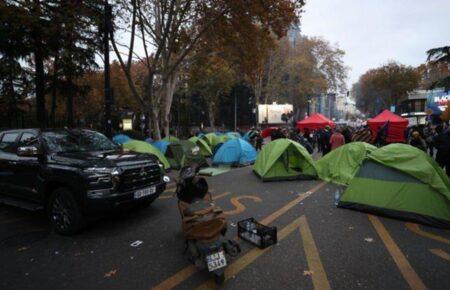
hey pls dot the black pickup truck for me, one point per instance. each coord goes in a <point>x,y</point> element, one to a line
<point>73,174</point>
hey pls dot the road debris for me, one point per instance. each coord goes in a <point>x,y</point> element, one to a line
<point>136,243</point>
<point>111,273</point>
<point>369,240</point>
<point>307,273</point>
<point>21,249</point>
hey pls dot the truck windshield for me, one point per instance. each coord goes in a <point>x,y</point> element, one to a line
<point>77,141</point>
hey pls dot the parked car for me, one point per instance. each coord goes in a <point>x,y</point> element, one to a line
<point>72,174</point>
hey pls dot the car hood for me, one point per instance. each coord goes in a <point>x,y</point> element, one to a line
<point>101,158</point>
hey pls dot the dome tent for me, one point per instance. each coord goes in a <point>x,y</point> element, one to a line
<point>284,159</point>
<point>214,139</point>
<point>184,153</point>
<point>341,165</point>
<point>121,138</point>
<point>161,145</point>
<point>205,150</point>
<point>233,135</point>
<point>403,182</point>
<point>171,139</point>
<point>144,147</point>
<point>236,152</point>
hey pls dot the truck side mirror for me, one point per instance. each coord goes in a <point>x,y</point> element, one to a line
<point>28,151</point>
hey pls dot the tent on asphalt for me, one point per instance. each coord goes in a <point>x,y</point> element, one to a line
<point>161,145</point>
<point>340,165</point>
<point>210,139</point>
<point>214,139</point>
<point>233,135</point>
<point>235,152</point>
<point>403,182</point>
<point>184,153</point>
<point>314,122</point>
<point>171,139</point>
<point>396,126</point>
<point>121,138</point>
<point>284,159</point>
<point>144,147</point>
<point>204,147</point>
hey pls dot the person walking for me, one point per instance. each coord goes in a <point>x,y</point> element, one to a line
<point>417,141</point>
<point>336,140</point>
<point>325,137</point>
<point>442,144</point>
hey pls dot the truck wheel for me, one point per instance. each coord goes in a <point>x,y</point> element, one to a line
<point>64,212</point>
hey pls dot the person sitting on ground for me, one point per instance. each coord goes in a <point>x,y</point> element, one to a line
<point>337,139</point>
<point>417,141</point>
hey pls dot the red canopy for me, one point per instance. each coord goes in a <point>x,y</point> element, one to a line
<point>396,126</point>
<point>314,122</point>
<point>266,132</point>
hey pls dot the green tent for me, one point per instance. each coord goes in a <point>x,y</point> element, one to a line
<point>284,159</point>
<point>210,139</point>
<point>205,150</point>
<point>340,165</point>
<point>144,147</point>
<point>214,139</point>
<point>184,153</point>
<point>171,139</point>
<point>403,182</point>
<point>192,154</point>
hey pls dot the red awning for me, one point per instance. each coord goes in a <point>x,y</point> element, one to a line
<point>314,122</point>
<point>396,126</point>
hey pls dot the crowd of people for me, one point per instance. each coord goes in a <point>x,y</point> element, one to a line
<point>435,140</point>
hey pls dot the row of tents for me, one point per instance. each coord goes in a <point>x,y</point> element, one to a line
<point>394,125</point>
<point>396,180</point>
<point>225,149</point>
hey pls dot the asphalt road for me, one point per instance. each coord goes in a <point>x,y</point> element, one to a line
<point>320,246</point>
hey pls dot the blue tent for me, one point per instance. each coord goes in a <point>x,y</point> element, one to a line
<point>237,152</point>
<point>233,135</point>
<point>161,145</point>
<point>120,139</point>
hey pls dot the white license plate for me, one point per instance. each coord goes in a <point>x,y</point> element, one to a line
<point>216,261</point>
<point>144,192</point>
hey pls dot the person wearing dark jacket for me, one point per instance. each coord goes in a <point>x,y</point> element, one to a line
<point>417,141</point>
<point>442,144</point>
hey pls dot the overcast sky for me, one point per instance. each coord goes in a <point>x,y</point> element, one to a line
<point>372,32</point>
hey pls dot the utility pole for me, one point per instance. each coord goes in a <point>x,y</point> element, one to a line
<point>107,28</point>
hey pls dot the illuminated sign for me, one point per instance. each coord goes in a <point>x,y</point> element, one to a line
<point>441,101</point>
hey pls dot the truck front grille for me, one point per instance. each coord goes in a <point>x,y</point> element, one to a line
<point>139,177</point>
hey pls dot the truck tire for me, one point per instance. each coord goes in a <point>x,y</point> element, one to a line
<point>64,212</point>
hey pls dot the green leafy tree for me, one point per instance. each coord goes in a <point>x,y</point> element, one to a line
<point>385,86</point>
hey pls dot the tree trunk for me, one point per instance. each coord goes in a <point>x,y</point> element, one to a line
<point>155,120</point>
<point>169,88</point>
<point>69,104</point>
<point>211,115</point>
<point>54,91</point>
